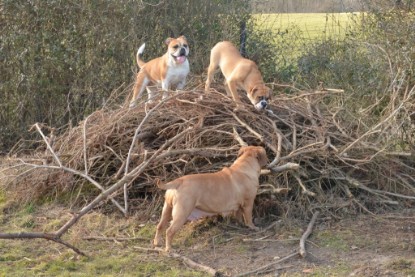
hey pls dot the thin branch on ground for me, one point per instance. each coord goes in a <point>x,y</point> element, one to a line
<point>306,234</point>
<point>186,260</point>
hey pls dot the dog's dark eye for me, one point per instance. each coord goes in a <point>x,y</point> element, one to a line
<point>176,46</point>
<point>185,45</point>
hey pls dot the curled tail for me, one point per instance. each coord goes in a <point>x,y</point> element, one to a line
<point>170,185</point>
<point>140,51</point>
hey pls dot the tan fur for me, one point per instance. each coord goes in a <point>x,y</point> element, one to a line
<point>164,70</point>
<point>239,73</point>
<point>229,191</point>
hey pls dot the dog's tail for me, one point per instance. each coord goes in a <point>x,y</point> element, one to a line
<point>170,185</point>
<point>140,51</point>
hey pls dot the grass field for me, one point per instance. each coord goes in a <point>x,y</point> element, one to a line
<point>311,25</point>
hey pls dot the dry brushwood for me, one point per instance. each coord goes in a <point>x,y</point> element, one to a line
<point>317,157</point>
<point>299,132</point>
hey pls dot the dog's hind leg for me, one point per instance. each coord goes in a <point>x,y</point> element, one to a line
<point>164,222</point>
<point>181,211</point>
<point>140,84</point>
<point>210,73</point>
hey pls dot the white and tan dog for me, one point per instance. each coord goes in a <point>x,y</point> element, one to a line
<point>239,73</point>
<point>229,191</point>
<point>171,69</point>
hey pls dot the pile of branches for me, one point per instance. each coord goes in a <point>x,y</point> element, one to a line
<point>319,159</point>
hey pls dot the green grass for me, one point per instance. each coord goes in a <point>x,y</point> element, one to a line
<point>311,25</point>
<point>106,259</point>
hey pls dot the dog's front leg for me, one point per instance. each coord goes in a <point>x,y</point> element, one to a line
<point>165,87</point>
<point>247,211</point>
<point>233,91</point>
<point>181,84</point>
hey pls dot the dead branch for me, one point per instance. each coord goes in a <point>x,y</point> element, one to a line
<point>305,190</point>
<point>47,143</point>
<point>113,238</point>
<point>238,138</point>
<point>281,168</point>
<point>46,236</point>
<point>70,170</point>
<point>306,234</point>
<point>246,126</point>
<point>186,260</point>
<point>252,272</point>
<point>376,128</point>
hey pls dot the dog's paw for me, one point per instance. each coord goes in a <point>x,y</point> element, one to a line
<point>253,227</point>
<point>156,242</point>
<point>169,250</point>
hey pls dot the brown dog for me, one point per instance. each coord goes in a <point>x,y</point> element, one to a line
<point>231,190</point>
<point>170,69</point>
<point>239,73</point>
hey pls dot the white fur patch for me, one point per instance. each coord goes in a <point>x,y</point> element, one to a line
<point>141,49</point>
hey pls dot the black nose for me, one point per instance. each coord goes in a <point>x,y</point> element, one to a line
<point>182,52</point>
<point>263,104</point>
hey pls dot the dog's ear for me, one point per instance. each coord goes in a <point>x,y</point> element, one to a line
<point>269,93</point>
<point>183,37</point>
<point>241,151</point>
<point>262,157</point>
<point>254,90</point>
<point>167,41</point>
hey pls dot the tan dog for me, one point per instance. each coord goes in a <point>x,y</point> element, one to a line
<point>239,73</point>
<point>170,69</point>
<point>229,191</point>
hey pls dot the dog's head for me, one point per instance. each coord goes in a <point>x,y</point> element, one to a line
<point>178,49</point>
<point>255,151</point>
<point>259,96</point>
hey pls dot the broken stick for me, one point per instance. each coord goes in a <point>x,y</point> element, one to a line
<point>186,260</point>
<point>307,233</point>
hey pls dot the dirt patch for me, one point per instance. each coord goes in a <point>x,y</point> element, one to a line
<point>366,245</point>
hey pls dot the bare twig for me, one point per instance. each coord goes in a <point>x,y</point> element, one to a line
<point>47,144</point>
<point>307,233</point>
<point>252,272</point>
<point>305,190</point>
<point>238,138</point>
<point>46,236</point>
<point>186,260</point>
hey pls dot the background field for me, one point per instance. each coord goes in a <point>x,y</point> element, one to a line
<point>313,26</point>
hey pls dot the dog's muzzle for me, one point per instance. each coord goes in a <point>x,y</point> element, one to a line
<point>181,56</point>
<point>261,105</point>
